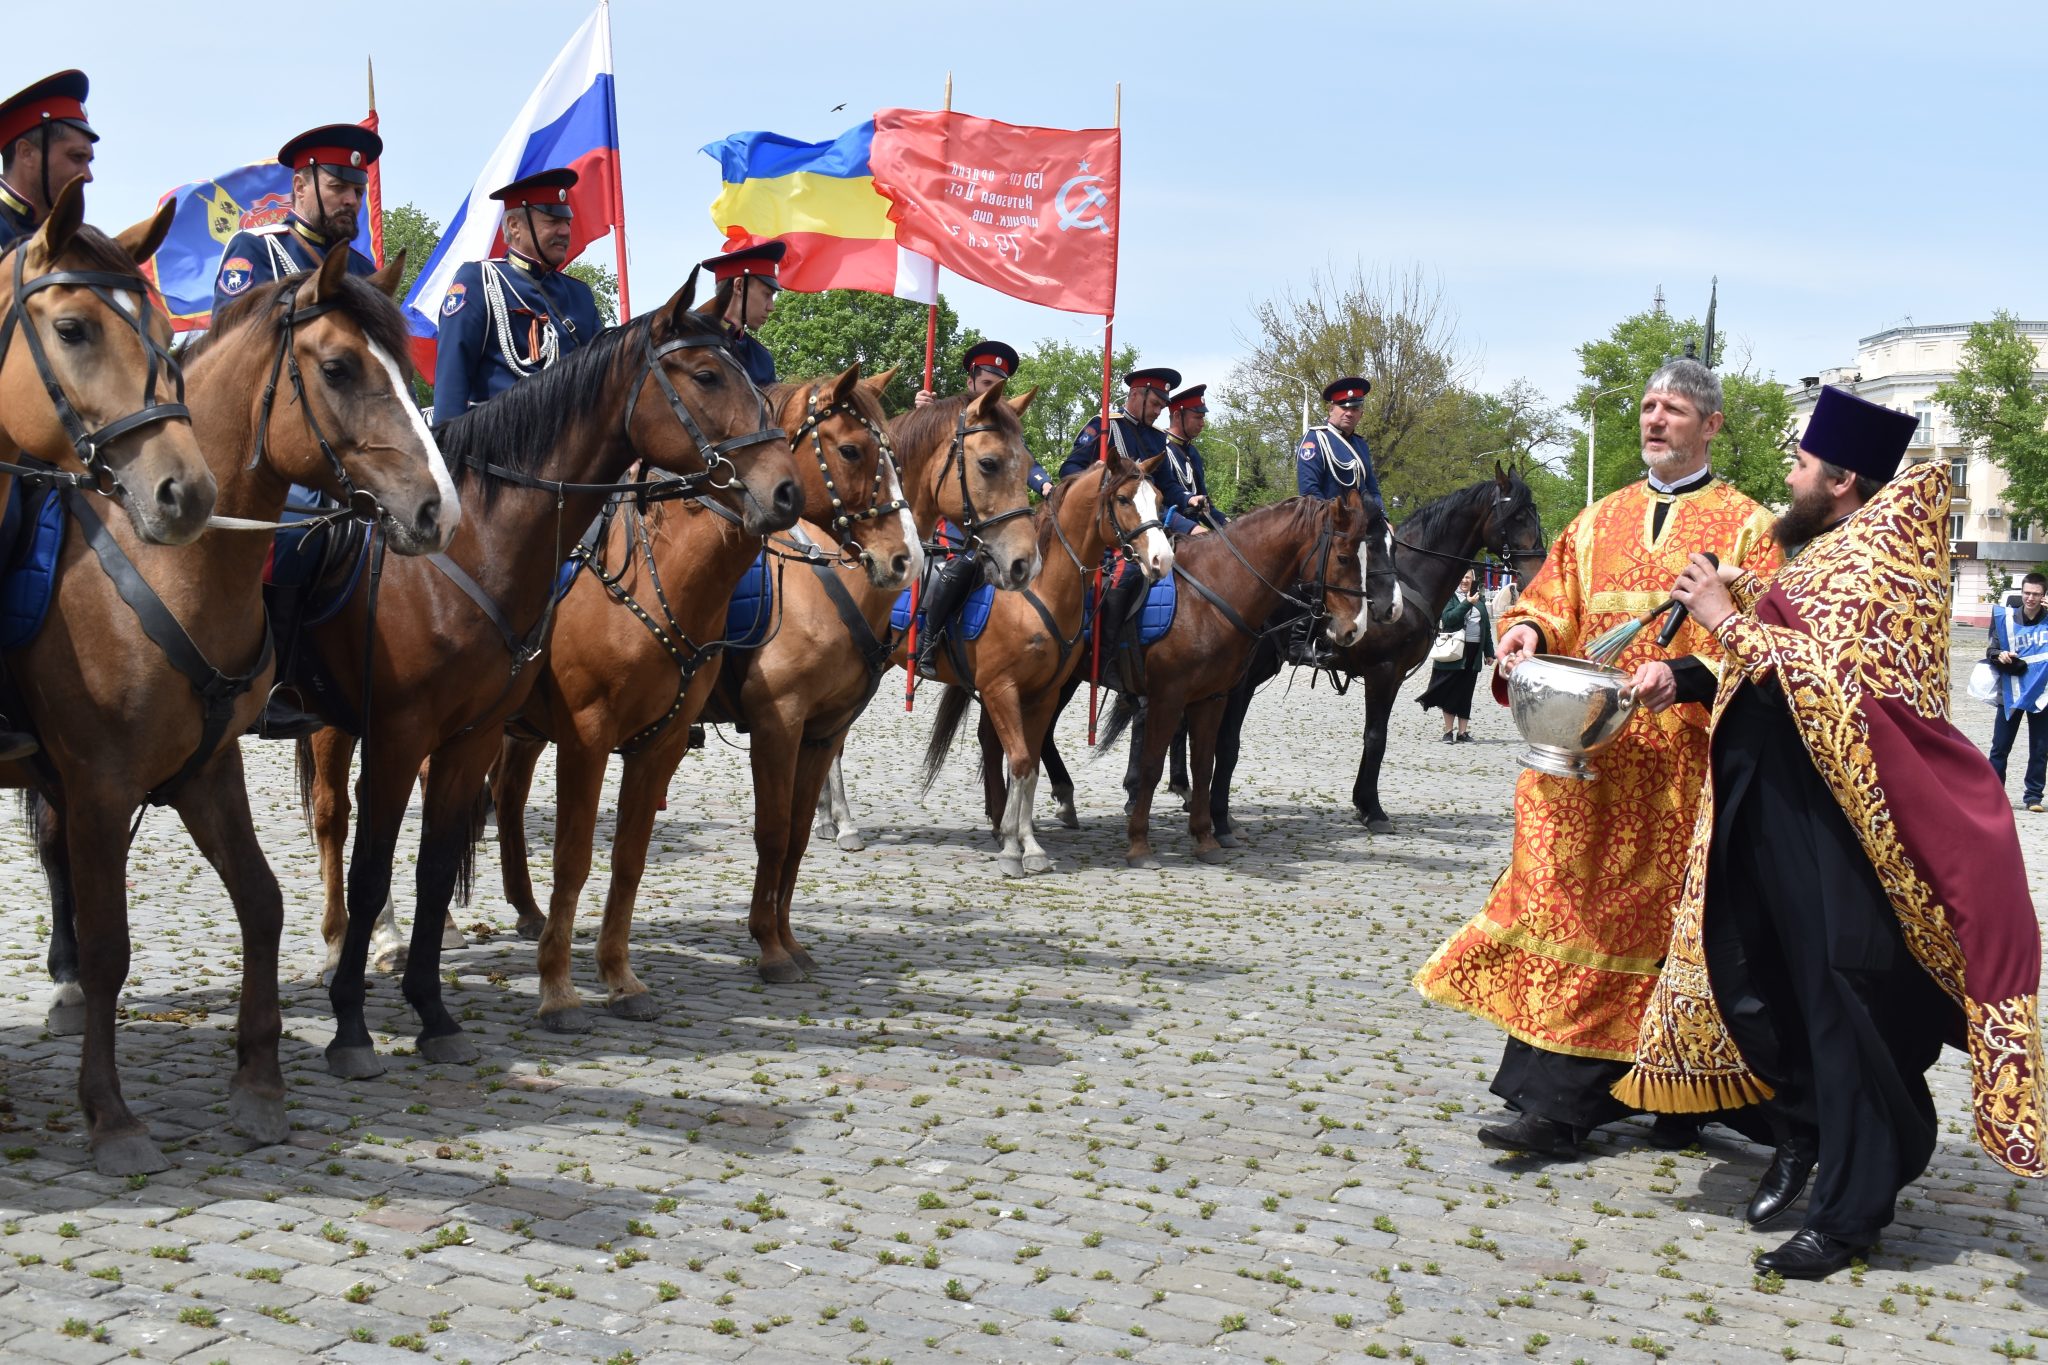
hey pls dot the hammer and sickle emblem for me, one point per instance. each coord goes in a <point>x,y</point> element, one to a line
<point>1075,208</point>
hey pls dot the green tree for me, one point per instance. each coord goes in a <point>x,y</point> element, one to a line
<point>1996,401</point>
<point>1068,378</point>
<point>813,334</point>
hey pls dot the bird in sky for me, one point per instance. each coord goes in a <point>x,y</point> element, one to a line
<point>837,107</point>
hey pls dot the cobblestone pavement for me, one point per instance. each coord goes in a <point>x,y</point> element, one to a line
<point>1195,1114</point>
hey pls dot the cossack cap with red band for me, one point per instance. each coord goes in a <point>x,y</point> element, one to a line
<point>53,99</point>
<point>344,150</point>
<point>543,192</point>
<point>990,355</point>
<point>1189,399</point>
<point>1348,392</point>
<point>1159,377</point>
<point>760,262</point>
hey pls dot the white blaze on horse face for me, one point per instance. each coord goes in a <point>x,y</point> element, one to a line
<point>1155,545</point>
<point>451,506</point>
<point>911,538</point>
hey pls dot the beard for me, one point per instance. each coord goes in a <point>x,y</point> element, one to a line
<point>1674,464</point>
<point>338,226</point>
<point>1811,513</point>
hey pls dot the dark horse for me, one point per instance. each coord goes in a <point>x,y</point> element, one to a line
<point>452,646</point>
<point>1432,550</point>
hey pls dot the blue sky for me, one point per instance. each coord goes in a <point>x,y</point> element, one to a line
<point>1550,165</point>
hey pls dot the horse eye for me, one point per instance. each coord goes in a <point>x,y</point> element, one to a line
<point>707,378</point>
<point>1124,499</point>
<point>849,452</point>
<point>990,464</point>
<point>334,372</point>
<point>70,331</point>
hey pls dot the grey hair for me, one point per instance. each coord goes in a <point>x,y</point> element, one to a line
<point>1691,381</point>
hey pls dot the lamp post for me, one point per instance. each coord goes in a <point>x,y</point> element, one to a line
<point>1593,432</point>
<point>1307,391</point>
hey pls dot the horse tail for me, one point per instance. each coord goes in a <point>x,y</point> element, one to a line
<point>465,866</point>
<point>1120,717</point>
<point>952,708</point>
<point>302,773</point>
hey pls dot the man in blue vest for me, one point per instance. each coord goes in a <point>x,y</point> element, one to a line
<point>1333,456</point>
<point>330,168</point>
<point>514,315</point>
<point>747,286</point>
<point>1130,431</point>
<point>45,144</point>
<point>1183,482</point>
<point>2019,651</point>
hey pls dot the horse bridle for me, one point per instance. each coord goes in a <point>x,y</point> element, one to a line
<point>89,445</point>
<point>843,520</point>
<point>361,506</point>
<point>1504,552</point>
<point>971,526</point>
<point>1126,540</point>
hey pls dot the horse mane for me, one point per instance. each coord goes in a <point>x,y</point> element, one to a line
<point>1427,521</point>
<point>931,426</point>
<point>369,307</point>
<point>1049,511</point>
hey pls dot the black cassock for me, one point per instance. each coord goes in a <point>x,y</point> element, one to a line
<point>1812,974</point>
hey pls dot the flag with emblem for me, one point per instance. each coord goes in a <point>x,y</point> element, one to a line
<point>570,120</point>
<point>1032,212</point>
<point>209,213</point>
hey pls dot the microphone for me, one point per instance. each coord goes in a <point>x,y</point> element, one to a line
<point>1677,610</point>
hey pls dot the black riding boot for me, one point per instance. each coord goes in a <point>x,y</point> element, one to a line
<point>15,743</point>
<point>950,585</point>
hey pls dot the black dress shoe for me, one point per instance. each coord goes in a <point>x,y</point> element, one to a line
<point>1675,1132</point>
<point>1533,1134</point>
<point>1809,1255</point>
<point>1783,1180</point>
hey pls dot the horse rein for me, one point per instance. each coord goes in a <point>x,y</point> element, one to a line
<point>89,445</point>
<point>971,526</point>
<point>1505,553</point>
<point>843,521</point>
<point>1125,540</point>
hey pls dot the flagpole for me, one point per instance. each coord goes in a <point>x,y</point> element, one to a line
<point>618,179</point>
<point>375,195</point>
<point>1108,352</point>
<point>931,316</point>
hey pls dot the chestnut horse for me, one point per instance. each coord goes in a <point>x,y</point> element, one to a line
<point>1328,557</point>
<point>453,643</point>
<point>1029,648</point>
<point>637,650</point>
<point>155,659</point>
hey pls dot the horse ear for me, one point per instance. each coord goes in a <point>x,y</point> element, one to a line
<point>142,240</point>
<point>394,270</point>
<point>1500,477</point>
<point>681,303</point>
<point>875,383</point>
<point>842,385</point>
<point>1149,467</point>
<point>67,215</point>
<point>977,408</point>
<point>325,282</point>
<point>1022,400</point>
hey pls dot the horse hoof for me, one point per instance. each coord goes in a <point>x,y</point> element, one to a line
<point>261,1120</point>
<point>575,1019</point>
<point>782,973</point>
<point>1229,840</point>
<point>1009,866</point>
<point>529,929</point>
<point>451,936</point>
<point>850,840</point>
<point>638,1006</point>
<point>1379,824</point>
<point>1177,789</point>
<point>358,1063</point>
<point>66,1018</point>
<point>390,960</point>
<point>1144,862</point>
<point>1038,863</point>
<point>1211,856</point>
<point>1069,818</point>
<point>804,960</point>
<point>451,1049</point>
<point>133,1154</point>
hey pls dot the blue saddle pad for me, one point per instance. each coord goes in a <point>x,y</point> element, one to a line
<point>1155,618</point>
<point>27,579</point>
<point>969,625</point>
<point>752,610</point>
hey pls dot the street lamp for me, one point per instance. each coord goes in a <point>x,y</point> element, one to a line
<point>1307,391</point>
<point>1593,432</point>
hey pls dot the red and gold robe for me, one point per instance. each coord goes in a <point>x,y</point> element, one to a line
<point>1566,952</point>
<point>1856,631</point>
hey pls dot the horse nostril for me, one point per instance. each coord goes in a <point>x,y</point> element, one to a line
<point>788,498</point>
<point>427,518</point>
<point>900,565</point>
<point>169,494</point>
<point>1020,571</point>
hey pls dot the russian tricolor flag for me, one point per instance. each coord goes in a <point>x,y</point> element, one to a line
<point>572,120</point>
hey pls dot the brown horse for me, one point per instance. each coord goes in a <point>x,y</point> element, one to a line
<point>635,680</point>
<point>1029,647</point>
<point>453,642</point>
<point>155,659</point>
<point>1329,557</point>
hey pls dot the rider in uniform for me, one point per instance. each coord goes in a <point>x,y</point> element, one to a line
<point>1183,482</point>
<point>747,286</point>
<point>330,175</point>
<point>1131,433</point>
<point>514,315</point>
<point>45,143</point>
<point>1333,456</point>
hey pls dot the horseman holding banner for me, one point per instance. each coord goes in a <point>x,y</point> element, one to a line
<point>1333,456</point>
<point>1131,432</point>
<point>330,168</point>
<point>45,144</point>
<point>514,315</point>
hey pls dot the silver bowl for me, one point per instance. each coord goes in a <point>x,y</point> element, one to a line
<point>1567,710</point>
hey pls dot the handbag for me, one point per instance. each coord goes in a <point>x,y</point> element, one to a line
<point>1984,680</point>
<point>1449,647</point>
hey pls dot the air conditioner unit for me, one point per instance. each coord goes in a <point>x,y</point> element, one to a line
<point>1993,513</point>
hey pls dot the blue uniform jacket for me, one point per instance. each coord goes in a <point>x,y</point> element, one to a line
<point>1140,443</point>
<point>16,221</point>
<point>250,258</point>
<point>1329,462</point>
<point>753,358</point>
<point>470,363</point>
<point>1180,477</point>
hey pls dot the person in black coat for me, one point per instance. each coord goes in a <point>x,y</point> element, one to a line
<point>1450,684</point>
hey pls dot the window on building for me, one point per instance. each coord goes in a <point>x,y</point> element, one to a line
<point>1955,526</point>
<point>1923,435</point>
<point>2022,530</point>
<point>1958,472</point>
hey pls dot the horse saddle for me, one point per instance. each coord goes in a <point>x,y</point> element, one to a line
<point>31,539</point>
<point>751,612</point>
<point>1151,621</point>
<point>967,624</point>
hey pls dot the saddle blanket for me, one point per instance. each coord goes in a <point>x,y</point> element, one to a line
<point>1155,618</point>
<point>752,610</point>
<point>32,534</point>
<point>968,625</point>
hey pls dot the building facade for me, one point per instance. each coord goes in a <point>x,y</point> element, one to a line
<point>1901,368</point>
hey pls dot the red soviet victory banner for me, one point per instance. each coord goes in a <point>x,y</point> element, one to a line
<point>1029,211</point>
